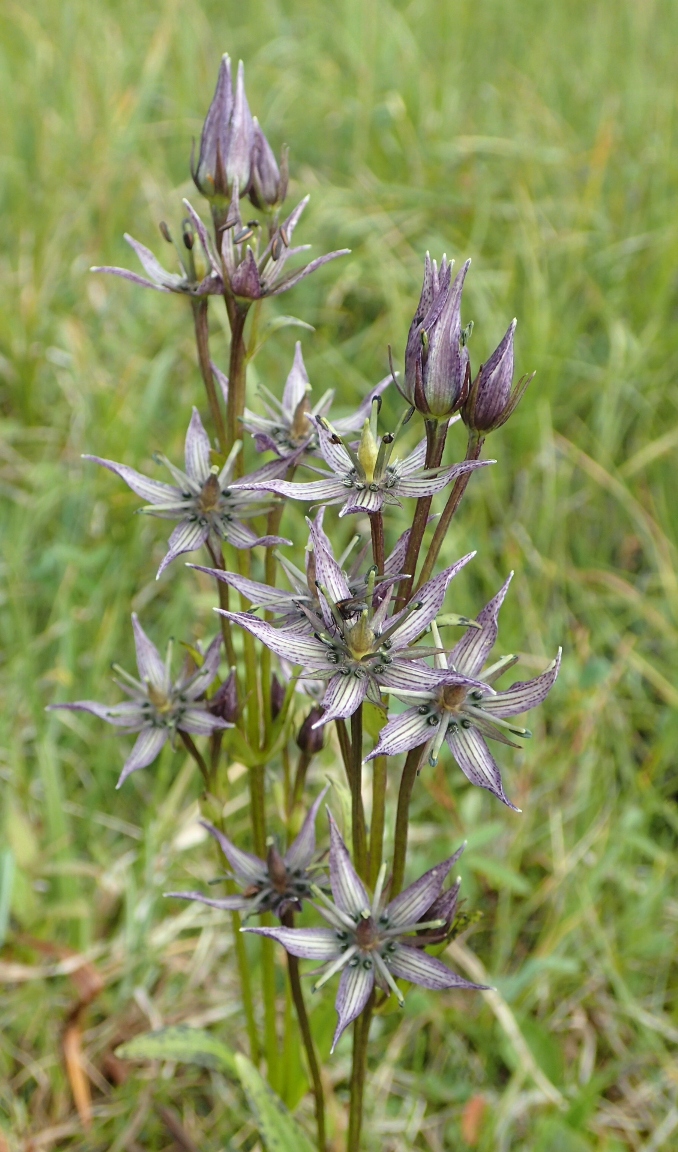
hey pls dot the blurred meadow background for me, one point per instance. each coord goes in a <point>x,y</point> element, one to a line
<point>539,139</point>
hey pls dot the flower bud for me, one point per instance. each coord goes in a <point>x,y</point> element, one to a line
<point>277,696</point>
<point>241,137</point>
<point>210,174</point>
<point>492,398</point>
<point>227,137</point>
<point>224,703</point>
<point>309,739</point>
<point>436,358</point>
<point>268,183</point>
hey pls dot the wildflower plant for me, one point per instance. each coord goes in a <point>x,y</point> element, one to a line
<point>341,630</point>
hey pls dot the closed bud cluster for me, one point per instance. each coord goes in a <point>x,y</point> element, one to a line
<point>492,397</point>
<point>277,696</point>
<point>436,358</point>
<point>234,153</point>
<point>309,738</point>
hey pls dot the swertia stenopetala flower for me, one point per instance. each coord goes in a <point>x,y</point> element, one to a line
<point>372,942</point>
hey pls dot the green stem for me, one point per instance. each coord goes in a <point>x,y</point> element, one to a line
<point>344,746</point>
<point>300,777</point>
<point>357,810</point>
<point>436,434</point>
<point>307,1037</point>
<point>202,342</point>
<point>377,529</point>
<point>236,384</point>
<point>224,604</point>
<point>410,770</point>
<point>245,986</point>
<point>473,450</point>
<point>379,775</point>
<point>268,989</point>
<point>361,1031</point>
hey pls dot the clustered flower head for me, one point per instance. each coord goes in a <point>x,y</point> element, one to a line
<point>158,706</point>
<point>373,942</point>
<point>350,627</point>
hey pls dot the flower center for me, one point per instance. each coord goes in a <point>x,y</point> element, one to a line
<point>159,700</point>
<point>368,452</point>
<point>208,499</point>
<point>360,638</point>
<point>366,935</point>
<point>451,697</point>
<point>300,427</point>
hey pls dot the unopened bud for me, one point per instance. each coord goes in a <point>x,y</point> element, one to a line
<point>224,703</point>
<point>277,696</point>
<point>492,398</point>
<point>436,357</point>
<point>309,739</point>
<point>210,173</point>
<point>268,183</point>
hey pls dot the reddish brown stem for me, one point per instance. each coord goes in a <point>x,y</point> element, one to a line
<point>436,434</point>
<point>473,451</point>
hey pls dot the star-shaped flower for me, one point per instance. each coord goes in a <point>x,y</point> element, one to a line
<point>289,424</point>
<point>278,884</point>
<point>463,707</point>
<point>365,479</point>
<point>251,275</point>
<point>371,942</point>
<point>203,500</point>
<point>353,644</point>
<point>158,706</point>
<point>292,608</point>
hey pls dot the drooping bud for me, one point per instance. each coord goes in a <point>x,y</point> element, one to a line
<point>224,703</point>
<point>492,398</point>
<point>309,739</point>
<point>210,174</point>
<point>277,696</point>
<point>241,137</point>
<point>268,183</point>
<point>436,357</point>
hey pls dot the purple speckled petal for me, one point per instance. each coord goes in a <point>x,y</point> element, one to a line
<point>200,722</point>
<point>411,904</point>
<point>296,385</point>
<point>343,696</point>
<point>248,868</point>
<point>149,743</point>
<point>186,537</point>
<point>226,904</point>
<point>306,943</point>
<point>300,852</point>
<point>347,887</point>
<point>197,450</point>
<point>419,968</point>
<point>355,422</point>
<point>430,596</point>
<point>200,681</point>
<point>152,490</point>
<point>415,462</point>
<point>355,989</point>
<point>125,274</point>
<point>477,762</point>
<point>326,490</point>
<point>328,573</point>
<point>293,278</point>
<point>429,485</point>
<point>523,695</point>
<point>153,267</point>
<point>261,595</point>
<point>151,666</point>
<point>365,501</point>
<point>127,715</point>
<point>403,676</point>
<point>408,730</point>
<point>471,652</point>
<point>297,649</point>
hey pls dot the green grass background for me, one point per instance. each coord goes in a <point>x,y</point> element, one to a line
<point>539,139</point>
